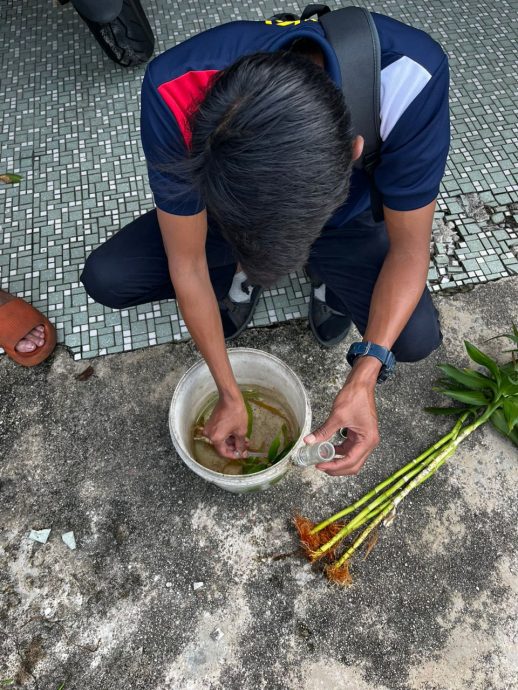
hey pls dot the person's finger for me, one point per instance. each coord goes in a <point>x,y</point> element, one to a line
<point>342,469</point>
<point>225,450</point>
<point>324,432</point>
<point>240,445</point>
<point>354,454</point>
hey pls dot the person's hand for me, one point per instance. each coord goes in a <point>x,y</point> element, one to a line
<point>355,409</point>
<point>226,428</point>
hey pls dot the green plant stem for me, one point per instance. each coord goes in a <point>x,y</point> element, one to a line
<point>384,510</point>
<point>377,510</point>
<point>416,474</point>
<point>425,455</point>
<point>434,457</point>
<point>363,536</point>
<point>425,473</point>
<point>250,416</point>
<point>441,458</point>
<point>364,515</point>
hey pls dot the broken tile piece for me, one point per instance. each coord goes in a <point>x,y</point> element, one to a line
<point>69,540</point>
<point>197,585</point>
<point>40,535</point>
<point>217,634</point>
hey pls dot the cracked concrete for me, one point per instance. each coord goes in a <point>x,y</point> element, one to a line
<point>433,608</point>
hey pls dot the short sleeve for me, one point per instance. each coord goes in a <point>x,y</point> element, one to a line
<point>413,157</point>
<point>164,147</point>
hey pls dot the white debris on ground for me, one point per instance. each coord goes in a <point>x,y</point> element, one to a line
<point>69,540</point>
<point>197,585</point>
<point>40,535</point>
<point>217,634</point>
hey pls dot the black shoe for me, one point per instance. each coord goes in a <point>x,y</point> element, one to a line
<point>329,326</point>
<point>235,316</point>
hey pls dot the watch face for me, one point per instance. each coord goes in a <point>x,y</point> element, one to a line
<point>384,374</point>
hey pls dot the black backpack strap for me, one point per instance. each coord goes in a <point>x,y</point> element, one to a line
<point>354,38</point>
<point>308,12</point>
<point>317,9</point>
<point>284,17</point>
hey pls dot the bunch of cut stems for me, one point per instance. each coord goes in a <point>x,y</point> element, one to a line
<point>492,397</point>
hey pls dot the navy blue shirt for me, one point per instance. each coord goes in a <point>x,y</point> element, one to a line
<point>415,128</point>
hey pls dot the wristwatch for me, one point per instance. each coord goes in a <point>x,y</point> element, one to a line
<point>368,349</point>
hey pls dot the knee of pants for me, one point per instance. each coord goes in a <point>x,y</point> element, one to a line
<point>418,341</point>
<point>100,279</point>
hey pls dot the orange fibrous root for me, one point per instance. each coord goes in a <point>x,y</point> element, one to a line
<point>312,542</point>
<point>340,575</point>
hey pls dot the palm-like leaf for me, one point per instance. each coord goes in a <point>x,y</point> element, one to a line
<point>439,411</point>
<point>499,422</point>
<point>473,398</point>
<point>470,379</point>
<point>481,358</point>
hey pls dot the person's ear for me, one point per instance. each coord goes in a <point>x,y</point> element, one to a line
<point>358,143</point>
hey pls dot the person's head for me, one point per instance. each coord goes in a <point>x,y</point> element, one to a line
<point>271,155</point>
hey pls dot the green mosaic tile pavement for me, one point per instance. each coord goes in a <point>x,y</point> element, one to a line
<point>70,126</point>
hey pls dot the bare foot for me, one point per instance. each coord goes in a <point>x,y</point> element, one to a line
<point>33,340</point>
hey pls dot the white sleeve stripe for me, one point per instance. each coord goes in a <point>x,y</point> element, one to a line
<point>401,82</point>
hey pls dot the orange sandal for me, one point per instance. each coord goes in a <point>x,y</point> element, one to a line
<point>17,318</point>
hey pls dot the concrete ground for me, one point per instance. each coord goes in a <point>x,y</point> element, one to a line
<point>433,608</point>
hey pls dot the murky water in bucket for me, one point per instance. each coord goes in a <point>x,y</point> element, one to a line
<point>272,429</point>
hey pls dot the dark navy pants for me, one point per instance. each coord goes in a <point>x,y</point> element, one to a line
<point>131,268</point>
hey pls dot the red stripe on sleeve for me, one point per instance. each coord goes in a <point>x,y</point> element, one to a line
<point>183,94</point>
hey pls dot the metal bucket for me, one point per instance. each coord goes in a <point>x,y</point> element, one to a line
<point>252,367</point>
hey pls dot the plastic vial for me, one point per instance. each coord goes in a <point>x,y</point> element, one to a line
<point>312,455</point>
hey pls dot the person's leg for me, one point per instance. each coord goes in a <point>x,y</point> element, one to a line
<point>131,267</point>
<point>348,260</point>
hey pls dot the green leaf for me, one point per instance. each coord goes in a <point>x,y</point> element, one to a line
<point>476,398</point>
<point>443,382</point>
<point>472,380</point>
<point>511,336</point>
<point>480,358</point>
<point>499,422</point>
<point>510,408</point>
<point>446,410</point>
<point>250,415</point>
<point>284,452</point>
<point>255,465</point>
<point>9,178</point>
<point>285,434</point>
<point>509,385</point>
<point>274,448</point>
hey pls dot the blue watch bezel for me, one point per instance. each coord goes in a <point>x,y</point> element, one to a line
<point>370,349</point>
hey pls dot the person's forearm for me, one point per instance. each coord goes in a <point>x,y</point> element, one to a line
<point>397,291</point>
<point>400,283</point>
<point>199,308</point>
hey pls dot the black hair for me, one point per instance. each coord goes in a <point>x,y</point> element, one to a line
<point>271,156</point>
